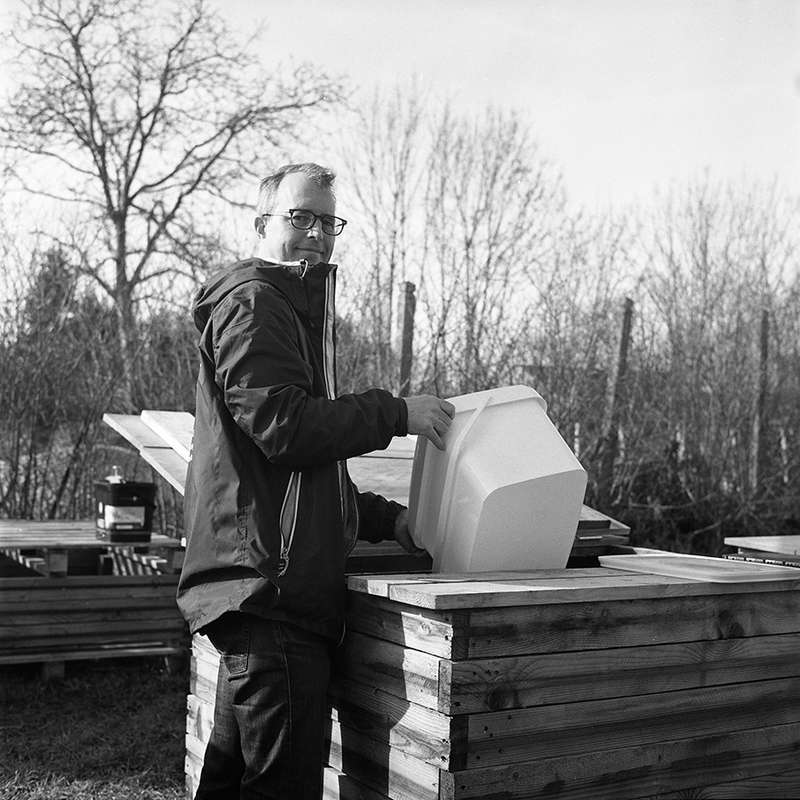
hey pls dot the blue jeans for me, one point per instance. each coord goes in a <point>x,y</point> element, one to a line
<point>271,711</point>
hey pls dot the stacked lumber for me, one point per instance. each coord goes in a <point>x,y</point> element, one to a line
<point>53,620</point>
<point>779,550</point>
<point>584,683</point>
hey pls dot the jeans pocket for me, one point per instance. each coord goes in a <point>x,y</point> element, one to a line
<point>230,635</point>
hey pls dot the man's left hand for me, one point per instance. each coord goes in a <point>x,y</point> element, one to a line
<point>403,536</point>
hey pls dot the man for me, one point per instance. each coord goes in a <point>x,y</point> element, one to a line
<point>271,513</point>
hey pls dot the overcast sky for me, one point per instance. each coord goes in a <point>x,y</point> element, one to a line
<point>623,94</point>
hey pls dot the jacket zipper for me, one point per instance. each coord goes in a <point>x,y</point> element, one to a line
<point>291,500</point>
<point>328,356</point>
<point>288,519</point>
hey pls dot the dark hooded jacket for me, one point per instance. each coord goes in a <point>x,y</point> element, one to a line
<point>270,511</point>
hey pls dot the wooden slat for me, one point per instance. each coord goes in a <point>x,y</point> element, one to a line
<point>42,535</point>
<point>514,735</point>
<point>385,769</point>
<point>125,650</point>
<point>168,464</point>
<point>571,586</point>
<point>338,786</point>
<point>478,685</point>
<point>174,428</point>
<point>199,717</point>
<point>16,625</point>
<point>641,771</point>
<point>699,568</point>
<point>789,544</point>
<point>31,527</point>
<point>486,633</point>
<point>381,585</point>
<point>406,673</point>
<point>784,783</point>
<point>100,631</point>
<point>53,600</point>
<point>409,727</point>
<point>524,588</point>
<point>90,582</point>
<point>763,757</point>
<point>762,557</point>
<point>509,736</point>
<point>431,632</point>
<point>133,428</point>
<point>60,619</point>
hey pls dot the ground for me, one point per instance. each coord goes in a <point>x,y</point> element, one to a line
<point>111,730</point>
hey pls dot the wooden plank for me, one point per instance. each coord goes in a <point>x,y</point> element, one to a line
<point>14,626</point>
<point>536,593</point>
<point>338,786</point>
<point>43,536</point>
<point>783,784</point>
<point>789,544</point>
<point>481,590</point>
<point>478,685</point>
<point>417,731</point>
<point>487,633</point>
<point>175,428</point>
<point>561,729</point>
<point>758,758</point>
<point>160,626</point>
<point>591,626</point>
<point>431,632</point>
<point>18,604</point>
<point>762,557</point>
<point>524,681</point>
<point>195,746</point>
<point>91,653</point>
<point>385,769</point>
<point>514,735</point>
<point>381,585</point>
<point>133,428</point>
<point>73,582</point>
<point>168,464</point>
<point>31,527</point>
<point>199,717</point>
<point>642,771</point>
<point>406,673</point>
<point>700,568</point>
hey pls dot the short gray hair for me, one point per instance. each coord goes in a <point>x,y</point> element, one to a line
<point>268,188</point>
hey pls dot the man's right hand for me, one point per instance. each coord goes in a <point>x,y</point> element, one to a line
<point>430,417</point>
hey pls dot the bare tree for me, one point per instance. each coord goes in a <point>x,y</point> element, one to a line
<point>490,200</point>
<point>717,258</point>
<point>145,115</point>
<point>385,159</point>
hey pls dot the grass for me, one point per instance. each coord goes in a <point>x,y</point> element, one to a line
<point>111,730</point>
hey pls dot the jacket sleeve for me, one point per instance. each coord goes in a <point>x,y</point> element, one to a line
<point>267,388</point>
<point>377,516</point>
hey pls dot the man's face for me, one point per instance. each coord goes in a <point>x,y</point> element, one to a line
<point>281,241</point>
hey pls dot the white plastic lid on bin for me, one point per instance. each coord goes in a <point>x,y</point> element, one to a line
<point>507,491</point>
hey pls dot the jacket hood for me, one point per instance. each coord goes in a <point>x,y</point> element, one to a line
<point>288,278</point>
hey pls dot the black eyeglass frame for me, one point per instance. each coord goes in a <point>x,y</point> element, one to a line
<point>325,219</point>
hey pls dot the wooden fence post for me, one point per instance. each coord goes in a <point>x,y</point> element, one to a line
<point>611,422</point>
<point>407,345</point>
<point>757,448</point>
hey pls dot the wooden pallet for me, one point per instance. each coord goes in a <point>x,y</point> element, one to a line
<point>54,620</point>
<point>583,684</point>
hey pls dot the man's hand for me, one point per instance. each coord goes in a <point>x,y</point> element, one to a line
<point>403,536</point>
<point>430,417</point>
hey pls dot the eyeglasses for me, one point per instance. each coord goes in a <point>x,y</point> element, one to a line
<point>304,220</point>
